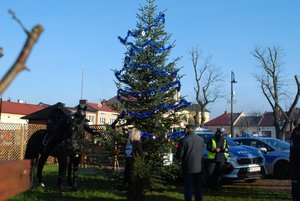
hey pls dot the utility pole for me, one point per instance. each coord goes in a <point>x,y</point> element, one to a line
<point>233,81</point>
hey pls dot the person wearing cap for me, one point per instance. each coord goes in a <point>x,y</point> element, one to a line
<point>190,153</point>
<point>78,119</point>
<point>295,161</point>
<point>217,149</point>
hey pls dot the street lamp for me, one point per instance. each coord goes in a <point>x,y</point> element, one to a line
<point>233,81</point>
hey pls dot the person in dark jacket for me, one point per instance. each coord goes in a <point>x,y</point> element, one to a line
<point>190,152</point>
<point>133,150</point>
<point>217,149</point>
<point>295,161</point>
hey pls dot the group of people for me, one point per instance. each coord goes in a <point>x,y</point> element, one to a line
<point>196,170</point>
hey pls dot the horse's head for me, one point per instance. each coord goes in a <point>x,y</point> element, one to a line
<point>66,130</point>
<point>74,138</point>
<point>56,127</point>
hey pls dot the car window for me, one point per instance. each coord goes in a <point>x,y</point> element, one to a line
<point>230,142</point>
<point>206,137</point>
<point>258,144</point>
<point>243,142</point>
<point>277,144</point>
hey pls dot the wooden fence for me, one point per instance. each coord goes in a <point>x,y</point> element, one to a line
<point>14,178</point>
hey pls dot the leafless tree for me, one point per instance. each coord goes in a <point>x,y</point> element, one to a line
<point>18,66</point>
<point>20,63</point>
<point>273,86</point>
<point>208,82</point>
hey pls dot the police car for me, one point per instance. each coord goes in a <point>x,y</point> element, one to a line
<point>275,151</point>
<point>244,162</point>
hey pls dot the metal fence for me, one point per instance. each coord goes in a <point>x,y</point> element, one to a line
<point>14,138</point>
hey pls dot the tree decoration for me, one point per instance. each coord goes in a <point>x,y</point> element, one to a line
<point>132,64</point>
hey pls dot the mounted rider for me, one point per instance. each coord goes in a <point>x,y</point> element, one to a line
<point>78,123</point>
<point>55,122</point>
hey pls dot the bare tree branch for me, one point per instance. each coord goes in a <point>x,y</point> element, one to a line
<point>14,16</point>
<point>20,63</point>
<point>272,86</point>
<point>1,52</point>
<point>207,79</point>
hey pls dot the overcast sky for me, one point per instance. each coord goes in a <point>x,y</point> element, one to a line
<point>81,36</point>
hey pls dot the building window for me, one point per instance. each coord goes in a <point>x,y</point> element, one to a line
<point>267,133</point>
<point>111,120</point>
<point>102,120</point>
<point>91,119</point>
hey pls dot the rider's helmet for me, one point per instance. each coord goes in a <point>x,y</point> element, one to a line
<point>81,108</point>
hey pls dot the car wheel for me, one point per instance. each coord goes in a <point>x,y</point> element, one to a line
<point>282,170</point>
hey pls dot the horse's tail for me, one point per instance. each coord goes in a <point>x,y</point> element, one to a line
<point>35,145</point>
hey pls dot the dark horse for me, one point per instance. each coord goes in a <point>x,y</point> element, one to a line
<point>62,139</point>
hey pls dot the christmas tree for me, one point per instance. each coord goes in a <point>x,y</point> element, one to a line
<point>149,84</point>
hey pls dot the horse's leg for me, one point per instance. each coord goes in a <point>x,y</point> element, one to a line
<point>39,173</point>
<point>75,164</point>
<point>70,171</point>
<point>33,163</point>
<point>62,170</point>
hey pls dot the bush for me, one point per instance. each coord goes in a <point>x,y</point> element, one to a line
<point>141,179</point>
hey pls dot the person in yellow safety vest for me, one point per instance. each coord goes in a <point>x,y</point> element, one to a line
<point>217,154</point>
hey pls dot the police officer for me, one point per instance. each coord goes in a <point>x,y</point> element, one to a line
<point>217,149</point>
<point>295,161</point>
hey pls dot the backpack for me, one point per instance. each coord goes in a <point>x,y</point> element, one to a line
<point>129,150</point>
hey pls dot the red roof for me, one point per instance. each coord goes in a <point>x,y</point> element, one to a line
<point>19,108</point>
<point>101,107</point>
<point>222,120</point>
<point>267,119</point>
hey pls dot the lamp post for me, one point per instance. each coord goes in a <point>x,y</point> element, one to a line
<point>233,81</point>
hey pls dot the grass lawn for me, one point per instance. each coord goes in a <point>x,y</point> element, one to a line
<point>95,185</point>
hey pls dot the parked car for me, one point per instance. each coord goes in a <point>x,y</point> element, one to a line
<point>244,162</point>
<point>275,151</point>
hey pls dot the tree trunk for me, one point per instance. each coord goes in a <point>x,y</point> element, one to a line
<point>197,122</point>
<point>202,116</point>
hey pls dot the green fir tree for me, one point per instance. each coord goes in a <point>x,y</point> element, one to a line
<point>149,83</point>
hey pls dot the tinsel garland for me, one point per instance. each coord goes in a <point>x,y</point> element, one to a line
<point>181,103</point>
<point>170,135</point>
<point>135,34</point>
<point>133,49</point>
<point>152,92</point>
<point>148,42</point>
